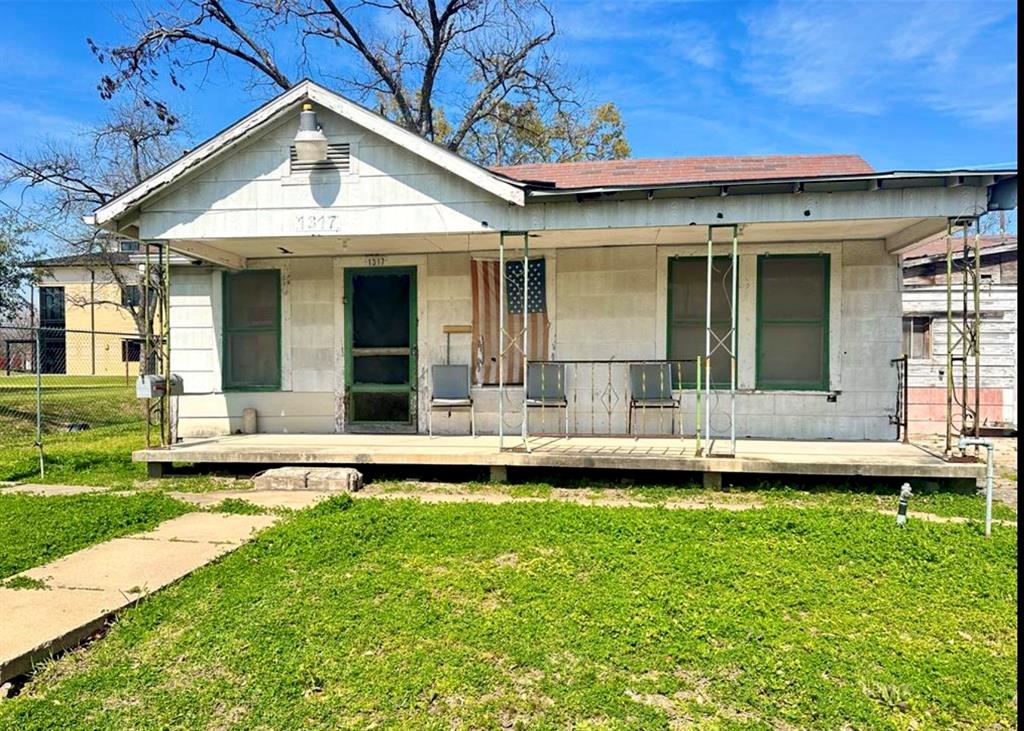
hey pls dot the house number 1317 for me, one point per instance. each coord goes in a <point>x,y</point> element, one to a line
<point>376,261</point>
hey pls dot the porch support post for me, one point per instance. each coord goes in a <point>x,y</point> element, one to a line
<point>976,341</point>
<point>526,333</point>
<point>501,336</point>
<point>707,341</point>
<point>949,340</point>
<point>165,331</point>
<point>732,337</point>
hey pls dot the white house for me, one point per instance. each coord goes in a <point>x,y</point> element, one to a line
<point>329,289</point>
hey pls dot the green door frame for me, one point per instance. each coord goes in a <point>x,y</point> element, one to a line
<point>411,385</point>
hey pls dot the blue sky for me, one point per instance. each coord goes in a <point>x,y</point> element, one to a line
<point>906,84</point>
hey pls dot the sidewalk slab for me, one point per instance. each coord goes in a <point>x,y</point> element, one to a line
<point>51,490</point>
<point>208,528</point>
<point>127,564</point>
<point>85,588</point>
<point>270,499</point>
<point>40,622</point>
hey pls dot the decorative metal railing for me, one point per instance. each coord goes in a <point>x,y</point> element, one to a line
<point>612,398</point>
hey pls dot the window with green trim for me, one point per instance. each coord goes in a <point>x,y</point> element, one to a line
<point>252,330</point>
<point>792,322</point>
<point>687,315</point>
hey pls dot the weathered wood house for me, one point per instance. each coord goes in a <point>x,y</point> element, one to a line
<point>926,331</point>
<point>327,290</point>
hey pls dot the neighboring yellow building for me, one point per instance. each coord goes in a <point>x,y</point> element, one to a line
<point>87,314</point>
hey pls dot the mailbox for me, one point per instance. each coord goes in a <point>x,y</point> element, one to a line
<point>155,386</point>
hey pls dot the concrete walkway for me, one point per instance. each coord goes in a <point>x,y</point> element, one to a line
<point>268,499</point>
<point>85,588</point>
<point>57,490</point>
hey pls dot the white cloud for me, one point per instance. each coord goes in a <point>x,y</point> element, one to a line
<point>956,58</point>
<point>609,24</point>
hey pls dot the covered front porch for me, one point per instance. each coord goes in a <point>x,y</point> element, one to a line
<point>883,460</point>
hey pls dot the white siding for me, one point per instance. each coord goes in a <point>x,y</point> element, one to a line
<point>389,191</point>
<point>604,303</point>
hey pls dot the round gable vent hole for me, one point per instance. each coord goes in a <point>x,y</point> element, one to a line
<point>807,212</point>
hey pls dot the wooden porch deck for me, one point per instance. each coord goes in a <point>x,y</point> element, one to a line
<point>823,458</point>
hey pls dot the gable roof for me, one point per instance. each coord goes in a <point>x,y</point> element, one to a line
<point>665,171</point>
<point>275,110</point>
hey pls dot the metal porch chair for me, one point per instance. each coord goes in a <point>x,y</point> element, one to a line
<point>545,387</point>
<point>450,389</point>
<point>650,386</point>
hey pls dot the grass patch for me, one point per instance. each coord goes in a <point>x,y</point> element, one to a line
<point>23,582</point>
<point>35,529</point>
<point>94,401</point>
<point>237,506</point>
<point>398,614</point>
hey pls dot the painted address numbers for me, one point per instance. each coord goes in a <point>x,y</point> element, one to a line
<point>318,222</point>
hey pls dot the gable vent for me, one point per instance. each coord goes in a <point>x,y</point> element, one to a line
<point>338,159</point>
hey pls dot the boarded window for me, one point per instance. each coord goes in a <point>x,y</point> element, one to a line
<point>338,160</point>
<point>687,297</point>
<point>252,330</point>
<point>917,337</point>
<point>792,318</point>
<point>487,337</point>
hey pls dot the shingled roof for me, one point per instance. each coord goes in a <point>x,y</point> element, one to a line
<point>663,171</point>
<point>936,245</point>
<point>116,258</point>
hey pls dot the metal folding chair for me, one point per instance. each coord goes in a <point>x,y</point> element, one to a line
<point>650,386</point>
<point>545,387</point>
<point>450,389</point>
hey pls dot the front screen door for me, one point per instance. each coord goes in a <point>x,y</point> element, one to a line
<point>380,347</point>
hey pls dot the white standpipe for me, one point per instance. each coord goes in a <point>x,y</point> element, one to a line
<point>989,474</point>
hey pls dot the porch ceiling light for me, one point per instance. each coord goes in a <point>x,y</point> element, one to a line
<point>310,141</point>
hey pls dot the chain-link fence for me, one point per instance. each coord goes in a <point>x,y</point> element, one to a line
<point>61,386</point>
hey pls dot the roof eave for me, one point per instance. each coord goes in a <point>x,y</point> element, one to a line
<point>986,177</point>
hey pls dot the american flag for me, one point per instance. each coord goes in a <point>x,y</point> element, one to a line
<point>486,279</point>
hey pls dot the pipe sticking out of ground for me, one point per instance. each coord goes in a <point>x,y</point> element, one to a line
<point>989,473</point>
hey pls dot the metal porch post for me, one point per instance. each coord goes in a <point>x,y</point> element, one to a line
<point>501,337</point>
<point>732,338</point>
<point>526,333</point>
<point>976,340</point>
<point>707,343</point>
<point>949,339</point>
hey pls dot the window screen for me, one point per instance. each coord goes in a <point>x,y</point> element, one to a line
<point>687,282</point>
<point>917,337</point>
<point>252,330</point>
<point>792,308</point>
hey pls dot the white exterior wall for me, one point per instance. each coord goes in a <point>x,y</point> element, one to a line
<point>603,303</point>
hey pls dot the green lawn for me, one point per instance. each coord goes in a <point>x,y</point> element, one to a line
<point>99,401</point>
<point>35,529</point>
<point>395,614</point>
